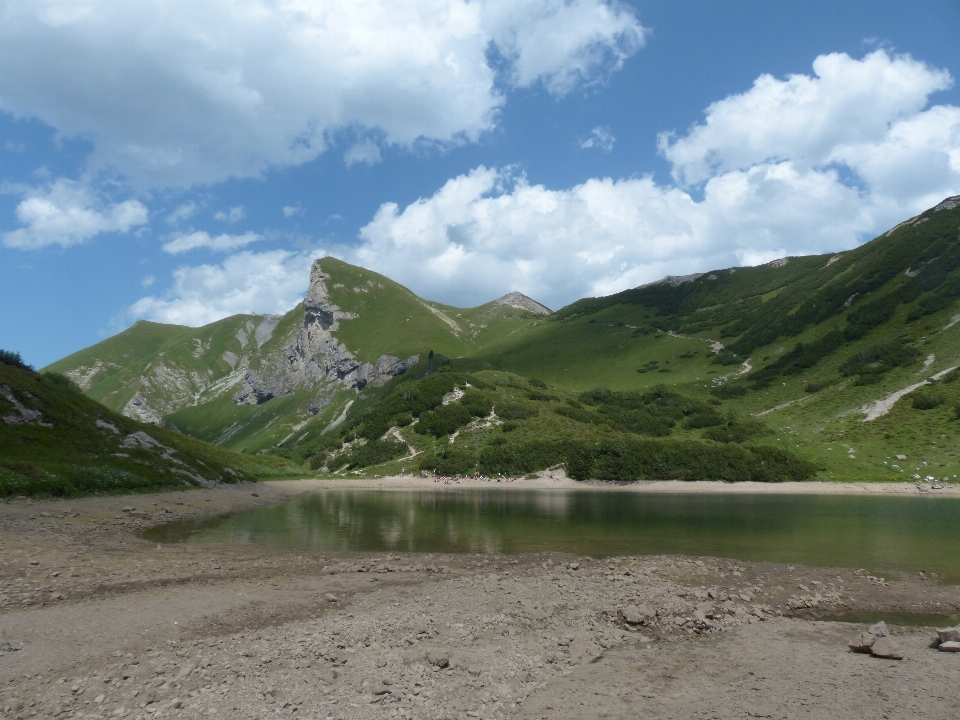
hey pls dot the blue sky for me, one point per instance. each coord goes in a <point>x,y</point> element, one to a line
<point>182,162</point>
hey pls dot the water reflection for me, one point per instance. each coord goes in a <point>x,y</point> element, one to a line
<point>884,534</point>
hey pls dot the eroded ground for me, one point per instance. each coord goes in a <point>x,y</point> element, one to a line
<point>96,622</point>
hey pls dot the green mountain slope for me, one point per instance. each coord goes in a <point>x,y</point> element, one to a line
<point>54,440</point>
<point>821,348</point>
<point>847,357</point>
<point>252,382</point>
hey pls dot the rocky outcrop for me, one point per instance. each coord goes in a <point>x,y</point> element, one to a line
<point>138,409</point>
<point>21,415</point>
<point>522,302</point>
<point>673,280</point>
<point>314,358</point>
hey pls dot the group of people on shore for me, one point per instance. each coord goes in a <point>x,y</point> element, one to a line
<point>460,479</point>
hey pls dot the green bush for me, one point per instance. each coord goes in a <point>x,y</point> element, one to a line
<point>538,383</point>
<point>737,431</point>
<point>927,400</point>
<point>627,459</point>
<point>510,426</point>
<point>815,387</point>
<point>705,419</point>
<point>880,358</point>
<point>515,411</point>
<point>319,460</point>
<point>445,420</point>
<point>449,460</point>
<point>374,452</point>
<point>729,390</point>
<point>13,359</point>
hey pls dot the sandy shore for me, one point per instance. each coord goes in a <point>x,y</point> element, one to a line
<point>559,481</point>
<point>95,622</point>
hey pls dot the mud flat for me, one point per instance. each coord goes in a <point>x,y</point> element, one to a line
<point>95,622</point>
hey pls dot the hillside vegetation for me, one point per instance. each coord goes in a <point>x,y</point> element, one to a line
<point>846,359</point>
<point>54,440</point>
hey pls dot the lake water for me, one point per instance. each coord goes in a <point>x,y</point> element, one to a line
<point>884,534</point>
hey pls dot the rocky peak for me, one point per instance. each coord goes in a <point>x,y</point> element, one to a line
<point>314,358</point>
<point>522,302</point>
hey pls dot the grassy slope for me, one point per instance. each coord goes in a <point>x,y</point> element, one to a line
<point>766,311</point>
<point>73,455</point>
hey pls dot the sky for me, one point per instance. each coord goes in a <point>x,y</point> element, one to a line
<point>181,161</point>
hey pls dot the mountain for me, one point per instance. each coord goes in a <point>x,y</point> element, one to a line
<point>847,357</point>
<point>54,440</point>
<point>249,381</point>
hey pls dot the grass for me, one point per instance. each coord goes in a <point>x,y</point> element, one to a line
<point>65,452</point>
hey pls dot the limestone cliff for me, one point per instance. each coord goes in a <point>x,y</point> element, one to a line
<point>314,359</point>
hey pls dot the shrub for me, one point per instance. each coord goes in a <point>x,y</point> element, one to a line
<point>319,460</point>
<point>515,411</point>
<point>510,426</point>
<point>375,452</point>
<point>815,387</point>
<point>450,460</point>
<point>879,359</point>
<point>538,383</point>
<point>729,390</point>
<point>540,397</point>
<point>725,357</point>
<point>444,420</point>
<point>927,400</point>
<point>705,419</point>
<point>737,431</point>
<point>13,359</point>
<point>61,380</point>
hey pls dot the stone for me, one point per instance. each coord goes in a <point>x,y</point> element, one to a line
<point>330,597</point>
<point>863,642</point>
<point>635,614</point>
<point>879,629</point>
<point>950,646</point>
<point>438,658</point>
<point>886,647</point>
<point>950,634</point>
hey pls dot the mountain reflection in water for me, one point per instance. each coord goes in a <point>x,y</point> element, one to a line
<point>882,533</point>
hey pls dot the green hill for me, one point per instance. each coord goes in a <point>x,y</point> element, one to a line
<point>846,357</point>
<point>54,440</point>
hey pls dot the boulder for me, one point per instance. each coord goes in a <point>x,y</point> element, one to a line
<point>635,614</point>
<point>950,646</point>
<point>950,634</point>
<point>862,643</point>
<point>879,629</point>
<point>886,647</point>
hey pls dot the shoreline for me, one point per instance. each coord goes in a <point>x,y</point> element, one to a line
<point>561,482</point>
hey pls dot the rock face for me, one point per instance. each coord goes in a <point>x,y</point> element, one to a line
<point>314,358</point>
<point>522,302</point>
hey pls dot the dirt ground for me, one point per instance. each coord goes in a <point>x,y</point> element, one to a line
<point>96,622</point>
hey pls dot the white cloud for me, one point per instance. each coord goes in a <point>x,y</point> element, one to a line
<point>201,239</point>
<point>148,281</point>
<point>600,138</point>
<point>235,214</point>
<point>182,212</point>
<point>291,210</point>
<point>247,282</point>
<point>366,152</point>
<point>804,119</point>
<point>806,165</point>
<point>562,43</point>
<point>66,212</point>
<point>173,93</point>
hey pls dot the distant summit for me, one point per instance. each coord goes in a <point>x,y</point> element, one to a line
<point>522,302</point>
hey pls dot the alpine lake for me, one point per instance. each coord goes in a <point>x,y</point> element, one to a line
<point>887,535</point>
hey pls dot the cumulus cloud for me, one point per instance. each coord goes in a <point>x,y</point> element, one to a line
<point>805,119</point>
<point>291,210</point>
<point>247,282</point>
<point>201,239</point>
<point>772,183</point>
<point>67,212</point>
<point>600,138</point>
<point>173,93</point>
<point>234,214</point>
